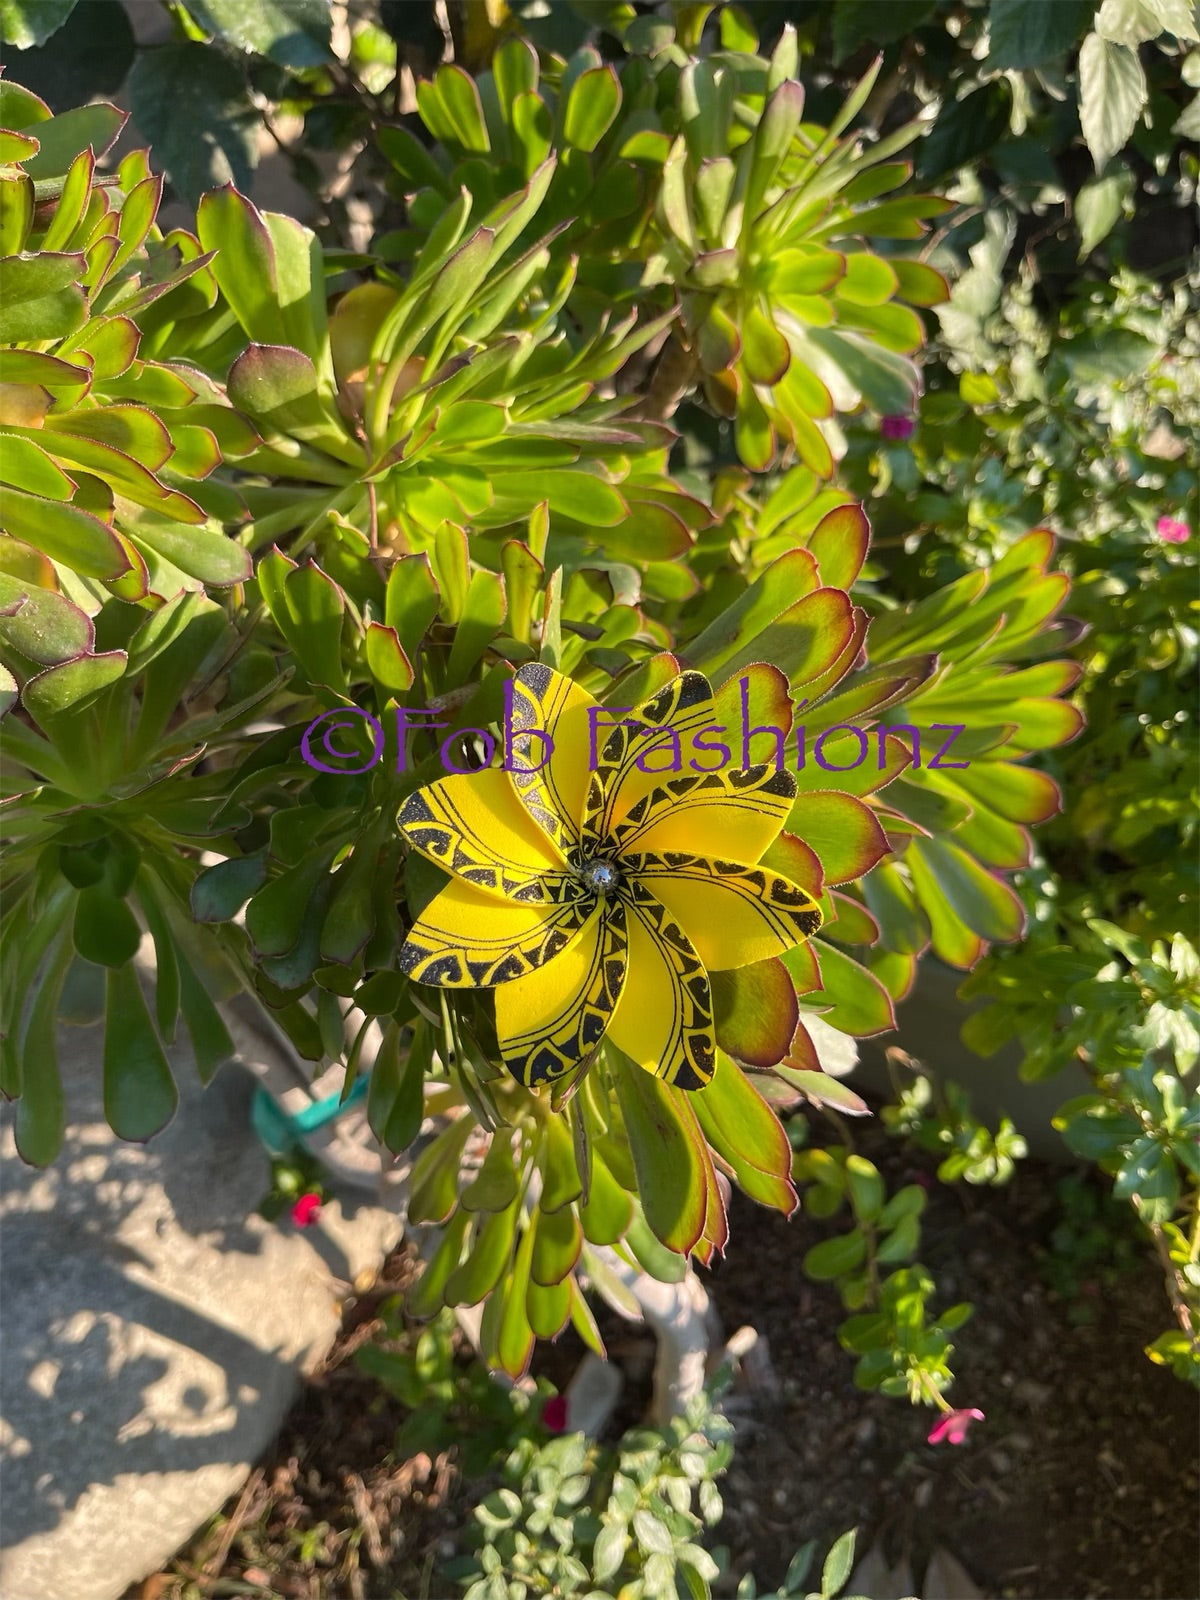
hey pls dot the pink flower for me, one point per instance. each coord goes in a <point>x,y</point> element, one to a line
<point>1172,530</point>
<point>307,1210</point>
<point>554,1413</point>
<point>953,1425</point>
<point>897,427</point>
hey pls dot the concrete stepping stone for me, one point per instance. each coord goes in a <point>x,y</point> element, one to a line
<point>154,1328</point>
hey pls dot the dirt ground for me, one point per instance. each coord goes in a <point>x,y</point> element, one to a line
<point>1082,1484</point>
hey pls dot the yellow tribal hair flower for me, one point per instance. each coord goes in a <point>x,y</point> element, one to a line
<point>594,895</point>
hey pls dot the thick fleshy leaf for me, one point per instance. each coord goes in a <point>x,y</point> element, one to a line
<point>53,315</point>
<point>486,1261</point>
<point>988,906</point>
<point>41,1112</point>
<point>220,891</point>
<point>395,1091</point>
<point>64,137</point>
<point>516,1341</point>
<point>274,381</point>
<point>494,1187</point>
<point>765,353</point>
<point>903,925</point>
<point>896,971</point>
<point>434,1183</point>
<point>744,1131</point>
<point>71,684</point>
<point>140,1096</point>
<point>670,1170</point>
<point>824,1090</point>
<point>853,924</point>
<point>426,1297</point>
<point>839,542</point>
<point>557,1241</point>
<point>105,930</point>
<point>952,940</point>
<point>858,762</point>
<point>1017,793</point>
<point>41,623</point>
<point>591,108</point>
<point>244,266</point>
<point>204,553</point>
<point>548,1308</point>
<point>65,533</point>
<point>871,689</point>
<point>803,642</point>
<point>26,465</point>
<point>609,1207</point>
<point>793,575</point>
<point>844,832</point>
<point>412,600</point>
<point>861,1005</point>
<point>754,1011</point>
<point>275,914</point>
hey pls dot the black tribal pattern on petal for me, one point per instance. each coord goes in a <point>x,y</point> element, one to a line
<point>689,1059</point>
<point>791,911</point>
<point>431,824</point>
<point>488,961</point>
<point>539,696</point>
<point>685,705</point>
<point>761,789</point>
<point>557,1047</point>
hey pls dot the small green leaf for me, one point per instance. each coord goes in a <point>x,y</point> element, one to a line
<point>609,1551</point>
<point>837,1565</point>
<point>833,1258</point>
<point>865,1187</point>
<point>1112,95</point>
<point>901,1242</point>
<point>1100,204</point>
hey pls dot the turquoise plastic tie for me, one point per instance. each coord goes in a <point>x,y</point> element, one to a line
<point>281,1132</point>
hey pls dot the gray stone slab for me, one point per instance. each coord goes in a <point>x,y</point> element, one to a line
<point>154,1329</point>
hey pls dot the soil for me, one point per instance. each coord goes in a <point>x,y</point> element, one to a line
<point>1082,1483</point>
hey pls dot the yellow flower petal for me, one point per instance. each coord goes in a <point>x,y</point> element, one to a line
<point>677,711</point>
<point>555,793</point>
<point>550,1020</point>
<point>733,912</point>
<point>663,1020</point>
<point>473,825</point>
<point>710,813</point>
<point>467,938</point>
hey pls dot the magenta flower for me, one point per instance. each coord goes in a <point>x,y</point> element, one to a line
<point>554,1413</point>
<point>307,1210</point>
<point>1172,530</point>
<point>953,1425</point>
<point>895,428</point>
